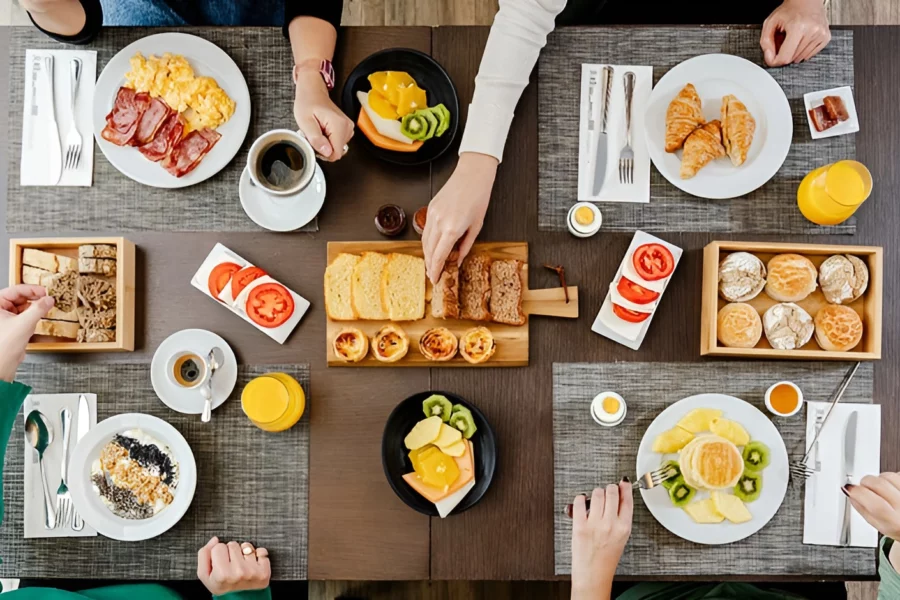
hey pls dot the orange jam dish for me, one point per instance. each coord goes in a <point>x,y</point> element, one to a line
<point>784,399</point>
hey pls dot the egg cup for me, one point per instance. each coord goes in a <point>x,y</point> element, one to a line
<point>597,409</point>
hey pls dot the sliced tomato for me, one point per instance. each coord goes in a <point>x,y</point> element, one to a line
<point>653,262</point>
<point>243,278</point>
<point>270,305</point>
<point>626,314</point>
<point>220,276</point>
<point>634,292</point>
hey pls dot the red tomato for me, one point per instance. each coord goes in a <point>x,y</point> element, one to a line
<point>270,305</point>
<point>653,262</point>
<point>634,292</point>
<point>243,278</point>
<point>632,316</point>
<point>220,276</point>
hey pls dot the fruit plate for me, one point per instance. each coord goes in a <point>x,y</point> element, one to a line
<point>429,75</point>
<point>396,463</point>
<point>775,476</point>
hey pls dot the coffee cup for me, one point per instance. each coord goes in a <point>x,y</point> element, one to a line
<point>187,370</point>
<point>281,162</point>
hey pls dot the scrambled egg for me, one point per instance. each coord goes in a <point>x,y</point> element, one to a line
<point>170,77</point>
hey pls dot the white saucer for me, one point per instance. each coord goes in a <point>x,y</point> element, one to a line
<point>190,401</point>
<point>282,213</point>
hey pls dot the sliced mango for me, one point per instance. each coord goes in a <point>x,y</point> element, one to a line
<point>466,464</point>
<point>411,99</point>
<point>448,436</point>
<point>455,450</point>
<point>378,81</point>
<point>415,456</point>
<point>394,81</point>
<point>439,470</point>
<point>381,106</point>
<point>424,433</point>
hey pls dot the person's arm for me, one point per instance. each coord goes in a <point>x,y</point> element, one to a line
<point>12,395</point>
<point>69,21</point>
<point>265,594</point>
<point>889,570</point>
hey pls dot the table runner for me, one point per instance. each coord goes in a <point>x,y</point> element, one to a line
<point>770,209</point>
<point>586,455</point>
<point>251,485</point>
<point>115,202</point>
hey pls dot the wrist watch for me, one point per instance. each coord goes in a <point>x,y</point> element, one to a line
<point>321,66</point>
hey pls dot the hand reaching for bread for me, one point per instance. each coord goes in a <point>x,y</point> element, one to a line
<point>802,24</point>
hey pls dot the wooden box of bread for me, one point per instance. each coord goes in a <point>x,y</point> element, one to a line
<point>382,311</point>
<point>92,280</point>
<point>792,301</point>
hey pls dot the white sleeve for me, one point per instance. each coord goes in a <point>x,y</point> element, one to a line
<point>519,32</point>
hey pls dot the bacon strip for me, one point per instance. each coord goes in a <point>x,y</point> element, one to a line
<point>188,153</point>
<point>166,138</point>
<point>151,120</point>
<point>122,121</point>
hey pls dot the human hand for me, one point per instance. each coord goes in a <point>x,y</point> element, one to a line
<point>805,26</point>
<point>18,320</point>
<point>325,126</point>
<point>598,539</point>
<point>456,214</point>
<point>877,499</point>
<point>63,17</point>
<point>224,568</point>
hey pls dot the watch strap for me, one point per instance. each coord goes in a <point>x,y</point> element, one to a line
<point>322,66</point>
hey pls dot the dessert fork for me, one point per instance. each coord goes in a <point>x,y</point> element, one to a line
<point>646,481</point>
<point>626,158</point>
<point>73,138</point>
<point>64,507</point>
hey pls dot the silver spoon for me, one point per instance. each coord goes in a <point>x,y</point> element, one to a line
<point>215,360</point>
<point>40,435</point>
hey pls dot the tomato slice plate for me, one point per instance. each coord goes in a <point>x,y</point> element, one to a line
<point>270,305</point>
<point>633,292</point>
<point>653,262</point>
<point>220,276</point>
<point>626,314</point>
<point>243,278</point>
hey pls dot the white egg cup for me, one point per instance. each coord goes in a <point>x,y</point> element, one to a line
<point>597,408</point>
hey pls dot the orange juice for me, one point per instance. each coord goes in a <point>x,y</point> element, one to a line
<point>831,194</point>
<point>273,402</point>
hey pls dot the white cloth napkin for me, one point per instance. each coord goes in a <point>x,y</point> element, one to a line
<point>35,129</point>
<point>612,190</point>
<point>823,514</point>
<point>50,405</point>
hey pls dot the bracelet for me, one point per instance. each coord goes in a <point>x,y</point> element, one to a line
<point>321,66</point>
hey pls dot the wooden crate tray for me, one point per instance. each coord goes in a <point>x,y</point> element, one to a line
<point>868,306</point>
<point>512,341</point>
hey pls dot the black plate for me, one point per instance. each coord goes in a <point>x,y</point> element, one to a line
<point>395,459</point>
<point>429,75</point>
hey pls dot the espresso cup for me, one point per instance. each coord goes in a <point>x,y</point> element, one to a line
<point>281,162</point>
<point>187,370</point>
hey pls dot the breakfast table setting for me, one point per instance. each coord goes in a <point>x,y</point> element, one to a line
<point>623,326</point>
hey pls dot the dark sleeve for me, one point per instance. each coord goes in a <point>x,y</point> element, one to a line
<point>327,10</point>
<point>93,13</point>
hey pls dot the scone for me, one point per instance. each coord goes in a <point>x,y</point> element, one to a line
<point>843,278</point>
<point>390,344</point>
<point>350,345</point>
<point>838,328</point>
<point>742,276</point>
<point>787,326</point>
<point>738,326</point>
<point>791,278</point>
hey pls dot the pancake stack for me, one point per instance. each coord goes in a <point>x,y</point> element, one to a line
<point>711,462</point>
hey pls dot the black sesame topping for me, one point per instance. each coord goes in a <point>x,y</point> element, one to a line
<point>150,456</point>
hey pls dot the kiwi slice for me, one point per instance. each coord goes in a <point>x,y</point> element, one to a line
<point>437,406</point>
<point>672,466</point>
<point>749,487</point>
<point>462,419</point>
<point>443,116</point>
<point>681,493</point>
<point>756,456</point>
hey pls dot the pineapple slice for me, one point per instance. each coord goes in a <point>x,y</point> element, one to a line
<point>704,511</point>
<point>699,419</point>
<point>731,507</point>
<point>732,431</point>
<point>672,440</point>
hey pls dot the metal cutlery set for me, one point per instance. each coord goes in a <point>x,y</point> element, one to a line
<point>599,93</point>
<point>73,141</point>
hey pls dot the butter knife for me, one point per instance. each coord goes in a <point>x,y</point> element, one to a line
<point>54,147</point>
<point>83,425</point>
<point>849,459</point>
<point>601,139</point>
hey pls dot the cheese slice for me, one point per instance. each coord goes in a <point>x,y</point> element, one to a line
<point>446,506</point>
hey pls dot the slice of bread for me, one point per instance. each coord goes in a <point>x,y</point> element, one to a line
<point>445,296</point>
<point>62,287</point>
<point>57,329</point>
<point>47,261</point>
<point>54,314</point>
<point>96,336</point>
<point>34,276</point>
<point>475,287</point>
<point>403,287</point>
<point>506,292</point>
<point>98,266</point>
<point>96,251</point>
<point>96,293</point>
<point>338,275</point>
<point>365,289</point>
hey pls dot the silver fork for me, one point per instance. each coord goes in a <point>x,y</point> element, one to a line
<point>73,138</point>
<point>626,158</point>
<point>64,506</point>
<point>645,482</point>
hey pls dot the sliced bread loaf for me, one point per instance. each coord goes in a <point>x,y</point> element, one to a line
<point>475,287</point>
<point>403,287</point>
<point>338,277</point>
<point>62,329</point>
<point>365,288</point>
<point>445,296</point>
<point>506,292</point>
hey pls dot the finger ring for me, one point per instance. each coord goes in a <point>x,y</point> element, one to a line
<point>247,549</point>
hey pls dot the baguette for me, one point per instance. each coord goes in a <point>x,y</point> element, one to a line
<point>61,329</point>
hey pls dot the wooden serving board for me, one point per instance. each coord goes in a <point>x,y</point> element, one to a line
<point>512,342</point>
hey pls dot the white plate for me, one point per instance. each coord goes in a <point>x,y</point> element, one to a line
<point>814,99</point>
<point>200,342</point>
<point>91,507</point>
<point>282,213</point>
<point>206,59</point>
<point>715,76</point>
<point>775,476</point>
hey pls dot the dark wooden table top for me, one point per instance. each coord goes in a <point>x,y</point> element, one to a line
<point>358,528</point>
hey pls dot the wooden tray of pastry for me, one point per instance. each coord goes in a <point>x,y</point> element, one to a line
<point>124,282</point>
<point>511,341</point>
<point>868,306</point>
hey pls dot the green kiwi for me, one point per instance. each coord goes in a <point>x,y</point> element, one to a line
<point>462,419</point>
<point>437,406</point>
<point>671,465</point>
<point>681,493</point>
<point>749,487</point>
<point>756,456</point>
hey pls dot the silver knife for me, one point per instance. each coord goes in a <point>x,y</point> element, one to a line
<point>849,458</point>
<point>54,148</point>
<point>83,425</point>
<point>601,139</point>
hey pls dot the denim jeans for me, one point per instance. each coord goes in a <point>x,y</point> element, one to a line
<point>177,13</point>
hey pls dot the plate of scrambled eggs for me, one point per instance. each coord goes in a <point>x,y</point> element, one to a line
<point>195,78</point>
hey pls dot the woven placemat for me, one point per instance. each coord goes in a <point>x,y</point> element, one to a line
<point>586,455</point>
<point>115,202</point>
<point>770,209</point>
<point>251,485</point>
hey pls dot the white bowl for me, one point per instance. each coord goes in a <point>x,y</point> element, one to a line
<point>769,399</point>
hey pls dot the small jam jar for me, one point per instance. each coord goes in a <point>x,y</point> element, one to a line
<point>390,220</point>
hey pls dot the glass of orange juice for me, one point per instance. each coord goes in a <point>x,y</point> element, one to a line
<point>273,402</point>
<point>831,194</point>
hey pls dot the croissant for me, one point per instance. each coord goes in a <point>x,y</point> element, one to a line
<point>702,147</point>
<point>738,127</point>
<point>683,116</point>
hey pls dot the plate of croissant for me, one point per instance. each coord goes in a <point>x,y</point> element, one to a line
<point>718,126</point>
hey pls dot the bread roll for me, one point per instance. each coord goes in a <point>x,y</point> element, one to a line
<point>843,278</point>
<point>791,278</point>
<point>739,326</point>
<point>787,326</point>
<point>838,328</point>
<point>742,276</point>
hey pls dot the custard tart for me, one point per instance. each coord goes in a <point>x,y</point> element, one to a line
<point>351,345</point>
<point>477,345</point>
<point>438,344</point>
<point>390,344</point>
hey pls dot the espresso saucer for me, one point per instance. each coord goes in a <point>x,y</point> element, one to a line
<point>200,342</point>
<point>282,213</point>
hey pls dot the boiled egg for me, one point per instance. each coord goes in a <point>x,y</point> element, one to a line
<point>584,219</point>
<point>608,409</point>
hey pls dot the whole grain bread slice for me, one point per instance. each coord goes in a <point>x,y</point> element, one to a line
<point>475,287</point>
<point>445,295</point>
<point>506,292</point>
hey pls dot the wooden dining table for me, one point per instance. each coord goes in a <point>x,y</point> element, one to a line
<point>358,528</point>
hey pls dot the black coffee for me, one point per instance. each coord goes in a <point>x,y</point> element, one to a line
<point>281,166</point>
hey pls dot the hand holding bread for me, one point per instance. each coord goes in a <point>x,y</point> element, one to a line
<point>21,308</point>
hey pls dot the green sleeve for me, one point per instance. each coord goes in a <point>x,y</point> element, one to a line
<point>890,579</point>
<point>265,594</point>
<point>12,395</point>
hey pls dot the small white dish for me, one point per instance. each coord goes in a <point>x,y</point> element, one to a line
<point>583,231</point>
<point>769,399</point>
<point>190,401</point>
<point>814,99</point>
<point>282,213</point>
<point>597,410</point>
